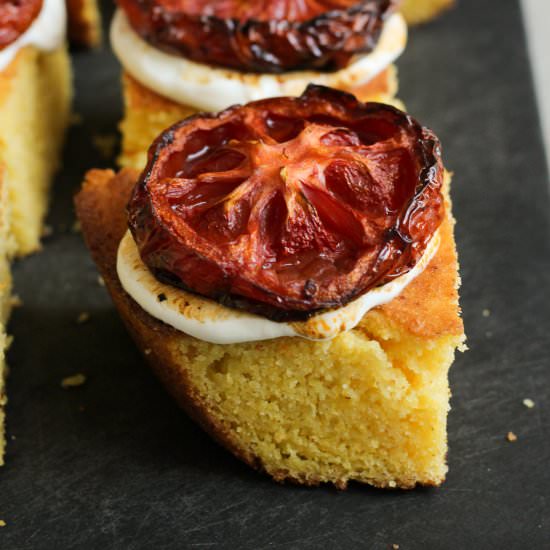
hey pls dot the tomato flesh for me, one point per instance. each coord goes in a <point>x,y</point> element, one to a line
<point>289,206</point>
<point>16,16</point>
<point>259,10</point>
<point>261,35</point>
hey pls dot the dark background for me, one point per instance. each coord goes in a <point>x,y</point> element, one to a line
<point>114,464</point>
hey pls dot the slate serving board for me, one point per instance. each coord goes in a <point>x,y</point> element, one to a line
<point>114,464</point>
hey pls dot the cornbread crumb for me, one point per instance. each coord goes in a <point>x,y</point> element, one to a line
<point>105,144</point>
<point>2,523</point>
<point>75,119</point>
<point>529,403</point>
<point>147,351</point>
<point>47,231</point>
<point>83,317</point>
<point>395,546</point>
<point>100,280</point>
<point>486,313</point>
<point>511,436</point>
<point>15,301</point>
<point>73,381</point>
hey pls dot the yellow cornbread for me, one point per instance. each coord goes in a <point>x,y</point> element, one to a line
<point>35,93</point>
<point>370,405</point>
<point>147,114</point>
<point>7,246</point>
<point>421,11</point>
<point>84,22</point>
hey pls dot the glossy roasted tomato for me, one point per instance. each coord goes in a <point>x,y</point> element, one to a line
<point>259,10</point>
<point>16,16</point>
<point>288,206</point>
<point>261,35</point>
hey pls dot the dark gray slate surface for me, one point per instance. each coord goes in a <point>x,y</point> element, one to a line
<point>131,471</point>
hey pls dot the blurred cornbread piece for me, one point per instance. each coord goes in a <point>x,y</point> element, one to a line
<point>421,11</point>
<point>370,405</point>
<point>84,22</point>
<point>35,94</point>
<point>7,247</point>
<point>147,114</point>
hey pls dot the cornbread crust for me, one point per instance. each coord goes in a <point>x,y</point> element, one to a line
<point>440,314</point>
<point>413,394</point>
<point>422,11</point>
<point>35,95</point>
<point>7,247</point>
<point>84,22</point>
<point>147,114</point>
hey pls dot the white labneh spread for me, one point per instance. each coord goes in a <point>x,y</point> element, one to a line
<point>207,320</point>
<point>47,32</point>
<point>213,89</point>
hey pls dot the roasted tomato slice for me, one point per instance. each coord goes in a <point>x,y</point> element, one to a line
<point>288,206</point>
<point>261,35</point>
<point>16,16</point>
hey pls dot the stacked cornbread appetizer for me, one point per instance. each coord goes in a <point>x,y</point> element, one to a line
<point>288,268</point>
<point>184,57</point>
<point>35,93</point>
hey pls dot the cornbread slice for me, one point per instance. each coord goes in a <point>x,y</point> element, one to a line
<point>35,94</point>
<point>421,11</point>
<point>84,22</point>
<point>147,114</point>
<point>7,247</point>
<point>370,405</point>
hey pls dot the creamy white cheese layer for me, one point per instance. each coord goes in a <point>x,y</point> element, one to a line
<point>207,320</point>
<point>47,32</point>
<point>213,89</point>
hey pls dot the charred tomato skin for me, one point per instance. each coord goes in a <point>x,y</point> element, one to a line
<point>325,41</point>
<point>16,16</point>
<point>335,199</point>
